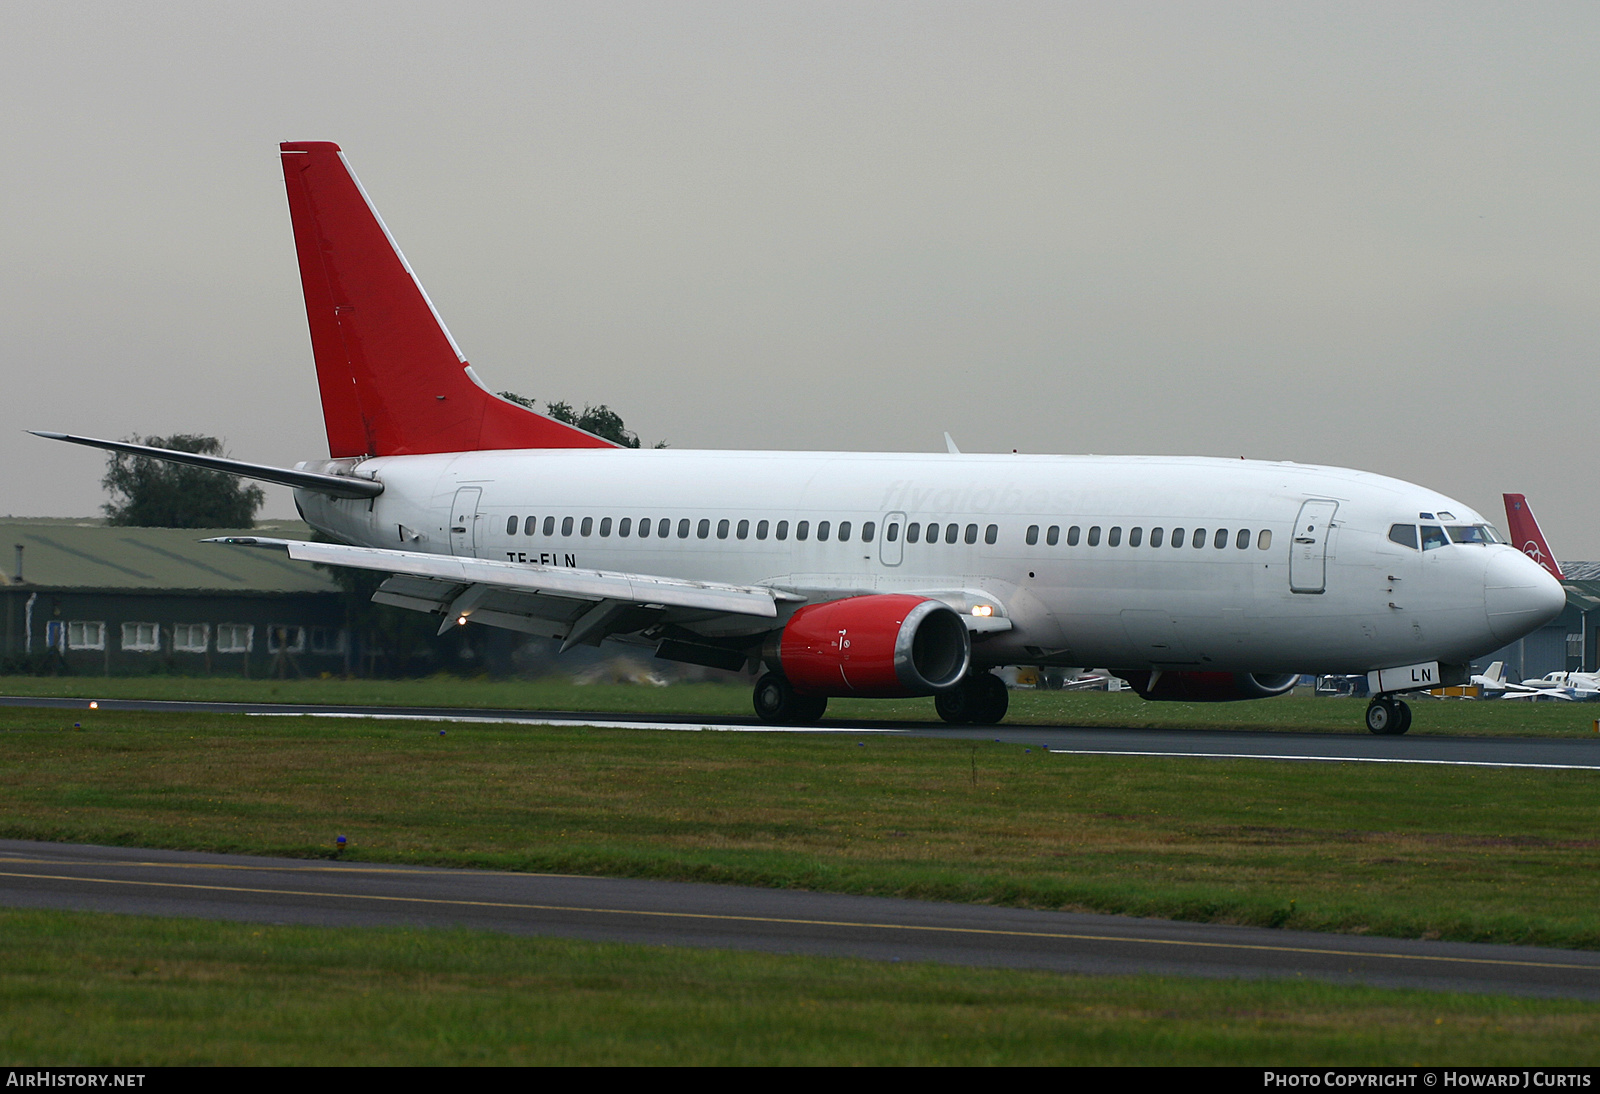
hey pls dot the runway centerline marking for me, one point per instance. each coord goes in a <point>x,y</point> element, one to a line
<point>1065,936</point>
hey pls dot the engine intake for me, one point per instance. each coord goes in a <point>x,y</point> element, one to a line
<point>886,646</point>
<point>1209,687</point>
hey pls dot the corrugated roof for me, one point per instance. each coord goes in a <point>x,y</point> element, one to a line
<point>89,555</point>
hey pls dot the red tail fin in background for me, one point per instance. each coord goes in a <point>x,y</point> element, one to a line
<point>393,381</point>
<point>1526,537</point>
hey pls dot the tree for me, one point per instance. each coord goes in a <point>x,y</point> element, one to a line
<point>150,493</point>
<point>600,420</point>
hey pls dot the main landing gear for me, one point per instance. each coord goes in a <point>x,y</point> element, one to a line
<point>1388,716</point>
<point>776,701</point>
<point>980,699</point>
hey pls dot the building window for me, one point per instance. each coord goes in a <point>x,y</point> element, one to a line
<point>235,638</point>
<point>327,640</point>
<point>191,637</point>
<point>282,638</point>
<point>86,636</point>
<point>141,637</point>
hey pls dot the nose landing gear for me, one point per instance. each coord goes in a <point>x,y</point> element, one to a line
<point>1388,716</point>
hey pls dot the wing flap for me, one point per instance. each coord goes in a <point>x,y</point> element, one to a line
<point>531,580</point>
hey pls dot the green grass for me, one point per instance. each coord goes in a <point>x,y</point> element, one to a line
<point>1459,853</point>
<point>84,989</point>
<point>1288,713</point>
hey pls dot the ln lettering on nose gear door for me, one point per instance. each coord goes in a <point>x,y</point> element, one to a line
<point>1308,549</point>
<point>464,521</point>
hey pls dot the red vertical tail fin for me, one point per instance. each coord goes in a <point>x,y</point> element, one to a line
<point>393,381</point>
<point>1526,537</point>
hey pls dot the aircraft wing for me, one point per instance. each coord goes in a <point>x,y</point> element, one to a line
<point>577,606</point>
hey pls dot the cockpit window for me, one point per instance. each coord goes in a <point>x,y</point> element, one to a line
<point>1470,533</point>
<point>1432,536</point>
<point>1403,534</point>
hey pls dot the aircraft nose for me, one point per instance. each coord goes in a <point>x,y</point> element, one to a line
<point>1519,596</point>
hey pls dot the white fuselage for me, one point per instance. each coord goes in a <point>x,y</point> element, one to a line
<point>1257,594</point>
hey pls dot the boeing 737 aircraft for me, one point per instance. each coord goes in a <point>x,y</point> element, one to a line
<point>858,574</point>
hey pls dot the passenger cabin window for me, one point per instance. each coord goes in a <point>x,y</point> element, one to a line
<point>624,526</point>
<point>566,526</point>
<point>933,533</point>
<point>1243,539</point>
<point>1403,534</point>
<point>971,534</point>
<point>1199,539</point>
<point>1114,537</point>
<point>722,528</point>
<point>761,529</point>
<point>783,529</point>
<point>1033,535</point>
<point>912,531</point>
<point>549,526</point>
<point>586,527</point>
<point>869,528</point>
<point>951,530</point>
<point>1094,535</point>
<point>802,529</point>
<point>743,531</point>
<point>511,525</point>
<point>683,528</point>
<point>664,526</point>
<point>990,534</point>
<point>703,529</point>
<point>1072,536</point>
<point>1177,537</point>
<point>530,525</point>
<point>1155,536</point>
<point>605,527</point>
<point>644,527</point>
<point>1221,539</point>
<point>1264,540</point>
<point>844,531</point>
<point>1135,536</point>
<point>822,531</point>
<point>892,533</point>
<point>1052,535</point>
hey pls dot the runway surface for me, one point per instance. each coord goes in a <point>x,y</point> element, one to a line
<point>265,890</point>
<point>1356,746</point>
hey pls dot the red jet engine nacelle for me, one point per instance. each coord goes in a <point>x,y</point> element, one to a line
<point>887,646</point>
<point>1209,687</point>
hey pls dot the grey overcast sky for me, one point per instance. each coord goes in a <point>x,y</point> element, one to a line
<point>1347,233</point>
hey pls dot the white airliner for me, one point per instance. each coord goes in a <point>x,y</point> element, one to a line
<point>859,574</point>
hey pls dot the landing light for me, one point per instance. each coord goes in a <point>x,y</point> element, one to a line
<point>461,621</point>
<point>983,610</point>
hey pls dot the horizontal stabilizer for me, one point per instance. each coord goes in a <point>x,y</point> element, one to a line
<point>338,486</point>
